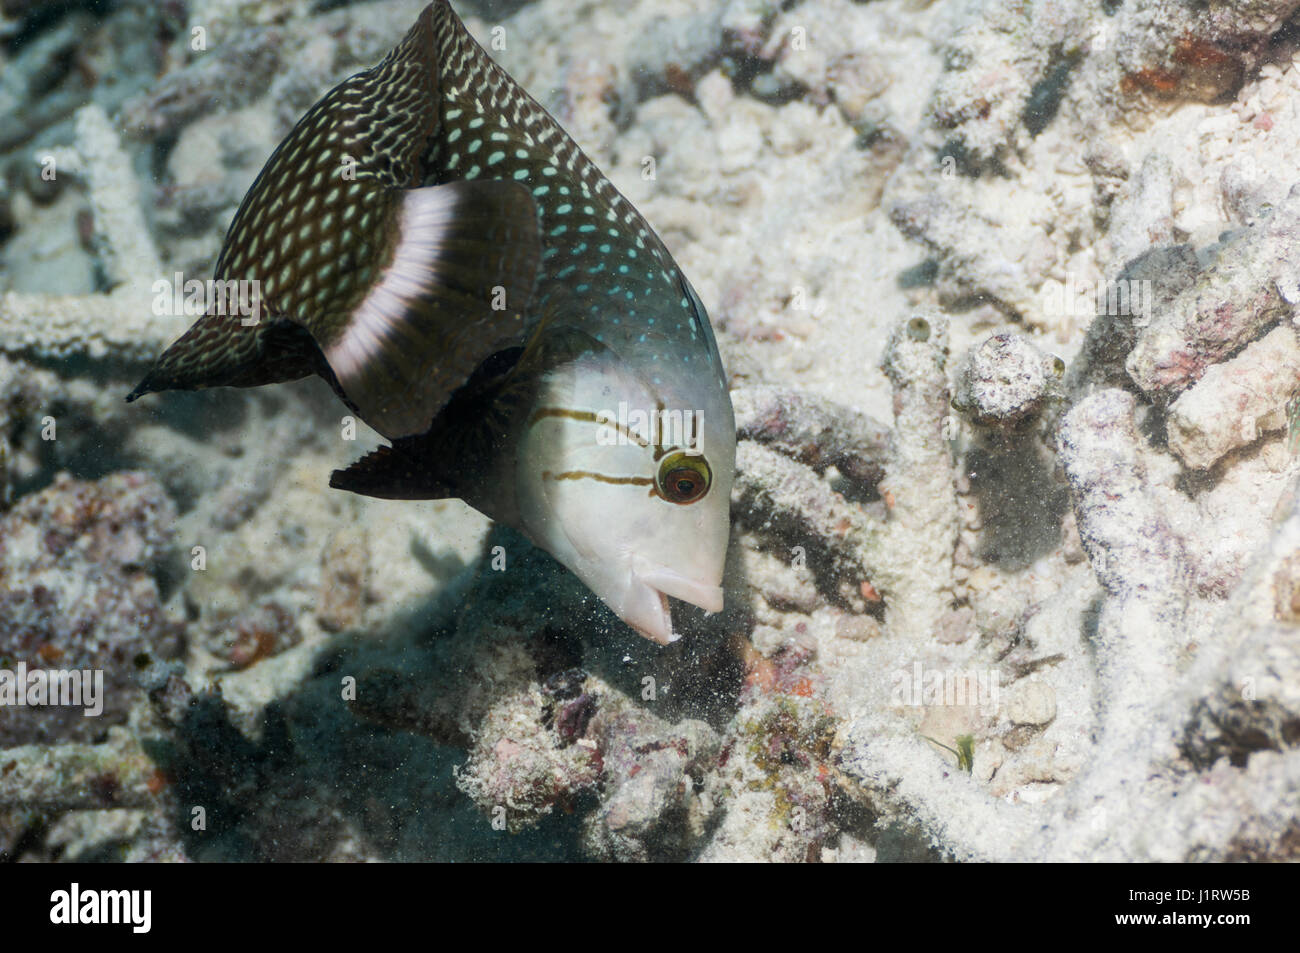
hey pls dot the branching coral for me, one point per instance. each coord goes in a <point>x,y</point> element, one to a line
<point>1168,709</point>
<point>121,324</point>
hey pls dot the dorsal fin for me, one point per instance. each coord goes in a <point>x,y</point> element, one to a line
<point>469,79</point>
<point>472,87</point>
<point>305,230</point>
<point>404,289</point>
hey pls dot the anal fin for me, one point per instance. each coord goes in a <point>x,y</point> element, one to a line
<point>454,458</point>
<point>390,474</point>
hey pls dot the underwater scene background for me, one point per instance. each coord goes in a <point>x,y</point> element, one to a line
<point>1005,295</point>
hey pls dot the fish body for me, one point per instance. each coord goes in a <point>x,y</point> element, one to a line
<point>429,241</point>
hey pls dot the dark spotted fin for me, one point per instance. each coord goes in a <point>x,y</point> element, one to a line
<point>316,224</point>
<point>219,350</point>
<point>454,291</point>
<point>403,290</point>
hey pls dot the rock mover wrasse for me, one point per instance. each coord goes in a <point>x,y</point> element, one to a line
<point>429,241</point>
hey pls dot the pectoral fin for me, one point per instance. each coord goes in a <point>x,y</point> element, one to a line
<point>454,292</point>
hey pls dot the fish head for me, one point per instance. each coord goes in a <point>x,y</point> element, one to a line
<point>624,476</point>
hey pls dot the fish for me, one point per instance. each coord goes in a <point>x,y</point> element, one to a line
<point>429,241</point>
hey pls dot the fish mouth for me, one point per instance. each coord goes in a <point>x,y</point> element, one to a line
<point>652,618</point>
<point>653,584</point>
<point>672,583</point>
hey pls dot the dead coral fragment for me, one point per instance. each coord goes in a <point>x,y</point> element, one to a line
<point>259,633</point>
<point>814,431</point>
<point>1005,379</point>
<point>545,746</point>
<point>774,774</point>
<point>344,571</point>
<point>1251,286</point>
<point>981,253</point>
<point>1124,532</point>
<point>652,772</point>
<point>79,776</point>
<point>519,769</point>
<point>782,499</point>
<point>1237,400</point>
<point>1286,590</point>
<point>923,526</point>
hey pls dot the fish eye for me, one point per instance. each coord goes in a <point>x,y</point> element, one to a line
<point>683,478</point>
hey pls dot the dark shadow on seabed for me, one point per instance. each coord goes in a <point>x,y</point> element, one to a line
<point>318,773</point>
